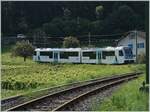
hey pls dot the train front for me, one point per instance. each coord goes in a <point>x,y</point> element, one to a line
<point>128,55</point>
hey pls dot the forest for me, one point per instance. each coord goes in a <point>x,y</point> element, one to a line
<point>71,18</point>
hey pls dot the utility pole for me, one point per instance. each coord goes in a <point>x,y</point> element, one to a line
<point>136,45</point>
<point>34,39</point>
<point>89,38</point>
<point>147,40</point>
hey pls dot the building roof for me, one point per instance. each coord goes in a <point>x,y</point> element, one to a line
<point>139,33</point>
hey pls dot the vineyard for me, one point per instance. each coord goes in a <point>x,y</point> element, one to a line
<point>20,77</point>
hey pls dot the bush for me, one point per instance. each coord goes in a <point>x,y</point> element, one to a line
<point>18,85</point>
<point>141,58</point>
<point>71,42</point>
<point>23,49</point>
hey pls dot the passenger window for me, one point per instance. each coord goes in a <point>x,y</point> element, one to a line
<point>46,53</point>
<point>34,53</point>
<point>65,55</point>
<point>91,55</point>
<point>107,53</point>
<point>120,53</point>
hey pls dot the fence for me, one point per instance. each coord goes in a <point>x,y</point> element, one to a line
<point>58,41</point>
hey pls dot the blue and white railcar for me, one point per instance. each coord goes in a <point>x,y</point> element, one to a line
<point>116,55</point>
<point>108,55</point>
<point>88,55</point>
<point>71,55</point>
<point>61,55</point>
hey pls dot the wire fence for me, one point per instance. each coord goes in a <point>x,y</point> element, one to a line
<point>85,40</point>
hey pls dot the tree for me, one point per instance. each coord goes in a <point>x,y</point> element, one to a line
<point>67,13</point>
<point>23,49</point>
<point>71,42</point>
<point>22,26</point>
<point>39,36</point>
<point>99,11</point>
<point>121,20</point>
<point>96,27</point>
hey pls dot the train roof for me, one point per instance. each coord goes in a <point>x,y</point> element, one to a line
<point>113,48</point>
<point>58,49</point>
<point>78,49</point>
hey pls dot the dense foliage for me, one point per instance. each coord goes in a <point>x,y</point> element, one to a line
<point>72,18</point>
<point>23,49</point>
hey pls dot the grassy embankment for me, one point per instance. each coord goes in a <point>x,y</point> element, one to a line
<point>23,77</point>
<point>126,98</point>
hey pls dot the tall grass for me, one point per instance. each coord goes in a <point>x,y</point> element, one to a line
<point>127,98</point>
<point>20,77</point>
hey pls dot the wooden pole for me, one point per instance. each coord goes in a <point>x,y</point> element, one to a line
<point>136,46</point>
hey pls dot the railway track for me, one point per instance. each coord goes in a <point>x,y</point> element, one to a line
<point>65,99</point>
<point>19,99</point>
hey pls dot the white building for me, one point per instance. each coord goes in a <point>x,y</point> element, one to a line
<point>130,40</point>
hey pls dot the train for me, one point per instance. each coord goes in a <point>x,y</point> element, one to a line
<point>107,55</point>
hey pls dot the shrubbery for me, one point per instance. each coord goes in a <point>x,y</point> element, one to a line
<point>18,85</point>
<point>71,42</point>
<point>23,49</point>
<point>141,58</point>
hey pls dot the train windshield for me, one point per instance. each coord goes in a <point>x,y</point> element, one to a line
<point>128,53</point>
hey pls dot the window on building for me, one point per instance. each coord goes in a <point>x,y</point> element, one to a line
<point>140,45</point>
<point>65,55</point>
<point>46,53</point>
<point>130,45</point>
<point>120,53</point>
<point>107,53</point>
<point>132,36</point>
<point>91,55</point>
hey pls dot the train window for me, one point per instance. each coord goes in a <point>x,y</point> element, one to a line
<point>128,53</point>
<point>120,53</point>
<point>91,55</point>
<point>65,55</point>
<point>107,53</point>
<point>43,53</point>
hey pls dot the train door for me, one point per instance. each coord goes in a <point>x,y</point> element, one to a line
<point>120,56</point>
<point>98,56</point>
<point>56,56</point>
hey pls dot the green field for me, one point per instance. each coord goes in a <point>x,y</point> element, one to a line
<point>126,98</point>
<point>21,77</point>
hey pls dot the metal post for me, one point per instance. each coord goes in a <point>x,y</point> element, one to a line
<point>34,40</point>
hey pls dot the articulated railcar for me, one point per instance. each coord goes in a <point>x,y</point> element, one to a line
<point>71,55</point>
<point>108,55</point>
<point>116,55</point>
